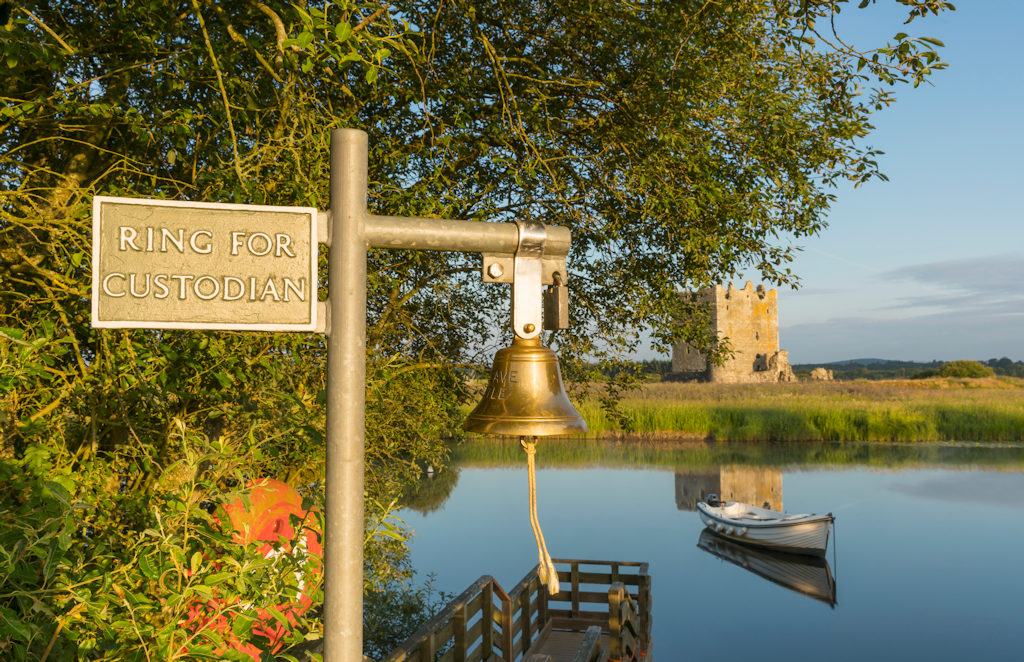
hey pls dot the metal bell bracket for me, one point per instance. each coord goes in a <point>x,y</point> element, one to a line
<point>528,270</point>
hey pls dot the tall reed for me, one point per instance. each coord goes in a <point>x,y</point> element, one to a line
<point>859,411</point>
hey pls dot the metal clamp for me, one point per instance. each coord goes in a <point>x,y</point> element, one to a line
<point>528,270</point>
<point>527,308</point>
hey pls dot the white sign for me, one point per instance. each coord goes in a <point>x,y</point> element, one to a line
<point>163,264</point>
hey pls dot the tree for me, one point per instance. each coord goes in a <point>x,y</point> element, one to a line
<point>681,142</point>
<point>965,369</point>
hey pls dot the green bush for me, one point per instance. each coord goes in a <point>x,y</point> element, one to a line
<point>132,565</point>
<point>965,369</point>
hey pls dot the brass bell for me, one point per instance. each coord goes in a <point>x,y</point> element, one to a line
<point>525,395</point>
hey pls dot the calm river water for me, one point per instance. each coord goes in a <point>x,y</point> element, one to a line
<point>925,565</point>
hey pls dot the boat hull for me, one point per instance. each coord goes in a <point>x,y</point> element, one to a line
<point>805,535</point>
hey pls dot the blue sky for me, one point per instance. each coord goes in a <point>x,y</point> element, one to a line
<point>929,265</point>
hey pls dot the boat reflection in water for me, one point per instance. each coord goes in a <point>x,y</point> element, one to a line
<point>807,575</point>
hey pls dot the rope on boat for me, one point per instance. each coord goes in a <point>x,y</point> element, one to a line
<point>547,573</point>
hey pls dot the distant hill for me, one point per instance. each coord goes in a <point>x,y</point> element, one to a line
<point>888,369</point>
<point>866,368</point>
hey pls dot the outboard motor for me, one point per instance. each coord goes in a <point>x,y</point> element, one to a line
<point>713,501</point>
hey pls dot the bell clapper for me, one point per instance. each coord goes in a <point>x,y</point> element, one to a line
<point>547,573</point>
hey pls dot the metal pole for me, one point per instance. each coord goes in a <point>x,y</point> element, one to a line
<point>434,234</point>
<point>346,400</point>
<point>352,231</point>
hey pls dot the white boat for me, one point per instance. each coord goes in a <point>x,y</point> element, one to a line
<point>771,529</point>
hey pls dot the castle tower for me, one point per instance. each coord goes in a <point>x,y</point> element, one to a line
<point>749,319</point>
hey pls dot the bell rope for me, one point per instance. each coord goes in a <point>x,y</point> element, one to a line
<point>547,573</point>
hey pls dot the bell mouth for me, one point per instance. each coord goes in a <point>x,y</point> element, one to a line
<point>525,396</point>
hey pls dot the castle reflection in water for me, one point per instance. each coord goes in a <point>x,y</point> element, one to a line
<point>758,486</point>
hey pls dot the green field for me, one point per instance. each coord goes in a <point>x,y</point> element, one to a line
<point>990,409</point>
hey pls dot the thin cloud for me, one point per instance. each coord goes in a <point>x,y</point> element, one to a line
<point>981,275</point>
<point>992,284</point>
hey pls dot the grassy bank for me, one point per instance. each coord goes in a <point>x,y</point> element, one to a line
<point>990,409</point>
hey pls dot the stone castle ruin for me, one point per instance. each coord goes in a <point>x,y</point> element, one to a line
<point>749,318</point>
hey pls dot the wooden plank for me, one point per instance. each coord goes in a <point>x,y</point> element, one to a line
<point>507,634</point>
<point>564,646</point>
<point>615,651</point>
<point>526,622</point>
<point>600,578</point>
<point>428,648</point>
<point>542,603</point>
<point>575,580</point>
<point>473,632</point>
<point>601,614</point>
<point>459,634</point>
<point>625,564</point>
<point>645,605</point>
<point>586,597</point>
<point>590,649</point>
<point>487,619</point>
<point>445,633</point>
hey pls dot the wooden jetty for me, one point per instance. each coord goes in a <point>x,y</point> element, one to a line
<point>601,614</point>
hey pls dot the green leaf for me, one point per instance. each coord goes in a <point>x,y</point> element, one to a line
<point>52,557</point>
<point>279,617</point>
<point>202,590</point>
<point>196,562</point>
<point>343,31</point>
<point>58,492</point>
<point>218,578</point>
<point>242,625</point>
<point>12,334</point>
<point>148,569</point>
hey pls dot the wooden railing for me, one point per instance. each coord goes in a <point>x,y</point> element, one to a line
<point>469,629</point>
<point>587,599</point>
<point>485,623</point>
<point>526,618</point>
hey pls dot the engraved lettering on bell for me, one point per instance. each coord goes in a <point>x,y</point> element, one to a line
<point>501,384</point>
